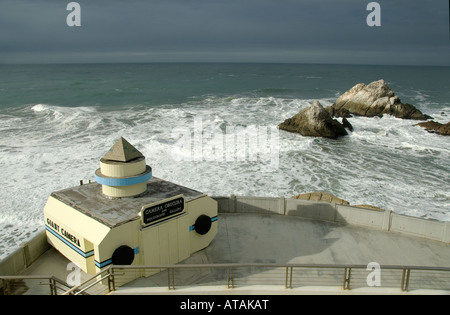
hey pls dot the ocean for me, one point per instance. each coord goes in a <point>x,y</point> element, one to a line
<point>57,121</point>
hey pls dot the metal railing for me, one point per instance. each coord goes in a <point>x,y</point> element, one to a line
<point>35,285</point>
<point>277,276</point>
<point>230,276</point>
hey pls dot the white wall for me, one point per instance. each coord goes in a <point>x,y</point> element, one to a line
<point>317,210</point>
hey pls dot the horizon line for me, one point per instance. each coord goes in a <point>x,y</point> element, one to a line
<point>212,62</point>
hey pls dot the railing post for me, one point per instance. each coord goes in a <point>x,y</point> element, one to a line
<point>290,280</point>
<point>173,278</point>
<point>230,277</point>
<point>168,278</point>
<point>111,280</point>
<point>53,289</point>
<point>6,287</point>
<point>170,285</point>
<point>405,279</point>
<point>289,276</point>
<point>347,275</point>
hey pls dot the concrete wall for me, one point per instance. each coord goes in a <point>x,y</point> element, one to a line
<point>234,204</point>
<point>24,256</point>
<point>317,210</point>
<point>431,229</point>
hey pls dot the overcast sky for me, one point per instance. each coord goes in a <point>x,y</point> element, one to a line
<point>300,31</point>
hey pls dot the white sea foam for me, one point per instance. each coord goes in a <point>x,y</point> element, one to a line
<point>385,162</point>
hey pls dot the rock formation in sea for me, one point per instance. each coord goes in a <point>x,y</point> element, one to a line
<point>327,197</point>
<point>435,127</point>
<point>315,121</point>
<point>374,99</point>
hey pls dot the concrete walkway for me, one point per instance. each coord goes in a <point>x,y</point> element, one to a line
<point>276,239</point>
<point>282,239</point>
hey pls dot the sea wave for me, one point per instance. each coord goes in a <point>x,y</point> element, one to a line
<point>386,162</point>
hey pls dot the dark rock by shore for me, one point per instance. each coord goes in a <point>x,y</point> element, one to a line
<point>435,127</point>
<point>315,121</point>
<point>374,99</point>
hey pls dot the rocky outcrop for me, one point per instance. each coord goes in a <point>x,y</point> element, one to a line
<point>369,207</point>
<point>374,99</point>
<point>315,121</point>
<point>326,197</point>
<point>321,196</point>
<point>435,127</point>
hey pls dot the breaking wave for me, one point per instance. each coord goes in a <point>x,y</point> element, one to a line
<point>386,162</point>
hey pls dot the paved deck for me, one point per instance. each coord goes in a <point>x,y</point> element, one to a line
<point>276,239</point>
<point>273,239</point>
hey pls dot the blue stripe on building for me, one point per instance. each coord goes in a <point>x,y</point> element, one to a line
<point>127,181</point>
<point>103,263</point>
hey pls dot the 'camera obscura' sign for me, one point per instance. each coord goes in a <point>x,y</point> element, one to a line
<point>162,210</point>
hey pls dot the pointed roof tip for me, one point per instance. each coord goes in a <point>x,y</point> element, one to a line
<point>122,151</point>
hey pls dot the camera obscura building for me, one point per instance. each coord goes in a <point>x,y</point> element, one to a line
<point>128,216</point>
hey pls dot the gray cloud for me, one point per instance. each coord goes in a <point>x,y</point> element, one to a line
<point>233,30</point>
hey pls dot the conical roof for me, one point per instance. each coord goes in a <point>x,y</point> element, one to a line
<point>122,151</point>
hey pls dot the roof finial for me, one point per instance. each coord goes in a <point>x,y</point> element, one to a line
<point>122,151</point>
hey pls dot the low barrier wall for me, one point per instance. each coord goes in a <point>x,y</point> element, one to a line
<point>318,210</point>
<point>23,257</point>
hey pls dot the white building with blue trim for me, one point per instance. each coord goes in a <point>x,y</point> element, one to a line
<point>128,216</point>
